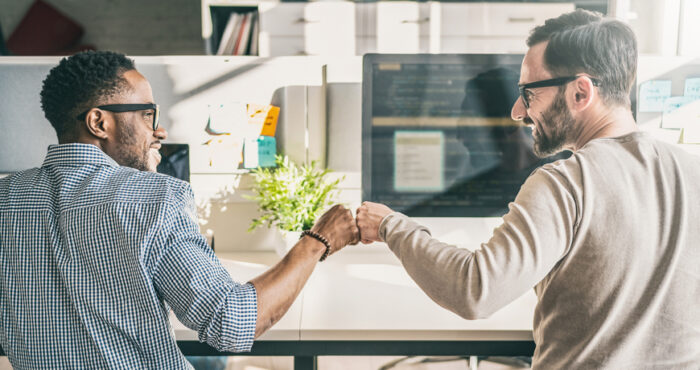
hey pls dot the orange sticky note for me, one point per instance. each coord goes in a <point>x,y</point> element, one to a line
<point>264,115</point>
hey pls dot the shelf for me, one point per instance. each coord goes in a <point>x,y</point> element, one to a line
<point>220,16</point>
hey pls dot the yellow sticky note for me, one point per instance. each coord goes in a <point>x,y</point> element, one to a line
<point>264,116</point>
<point>225,152</point>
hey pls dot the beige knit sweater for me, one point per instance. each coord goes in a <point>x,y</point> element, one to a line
<point>610,241</point>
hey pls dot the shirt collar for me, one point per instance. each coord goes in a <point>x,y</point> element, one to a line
<point>74,154</point>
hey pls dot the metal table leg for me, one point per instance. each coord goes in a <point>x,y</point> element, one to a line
<point>305,363</point>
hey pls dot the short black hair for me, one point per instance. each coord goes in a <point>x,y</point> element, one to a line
<point>80,82</point>
<point>585,42</point>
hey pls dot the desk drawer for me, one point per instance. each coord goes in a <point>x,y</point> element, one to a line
<point>519,19</point>
<point>307,18</point>
<point>393,17</point>
<point>489,19</point>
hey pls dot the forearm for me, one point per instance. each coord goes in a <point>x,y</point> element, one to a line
<point>278,287</point>
<point>447,274</point>
<point>472,284</point>
<point>535,234</point>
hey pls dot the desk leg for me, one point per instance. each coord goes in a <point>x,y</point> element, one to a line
<point>305,363</point>
<point>473,362</point>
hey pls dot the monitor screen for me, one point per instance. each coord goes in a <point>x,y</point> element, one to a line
<point>437,137</point>
<point>175,161</point>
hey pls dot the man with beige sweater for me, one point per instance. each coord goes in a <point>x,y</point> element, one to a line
<point>609,238</point>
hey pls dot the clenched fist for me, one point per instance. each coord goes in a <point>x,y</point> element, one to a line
<point>338,226</point>
<point>369,217</point>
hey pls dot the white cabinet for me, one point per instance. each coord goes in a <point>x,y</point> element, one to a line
<point>397,26</point>
<point>491,27</point>
<point>349,28</point>
<point>435,27</point>
<point>320,28</point>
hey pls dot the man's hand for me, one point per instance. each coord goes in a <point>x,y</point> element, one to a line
<point>338,226</point>
<point>369,216</point>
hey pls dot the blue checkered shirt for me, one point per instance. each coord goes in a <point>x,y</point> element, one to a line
<point>93,257</point>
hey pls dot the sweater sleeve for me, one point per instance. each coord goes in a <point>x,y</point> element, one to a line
<point>535,234</point>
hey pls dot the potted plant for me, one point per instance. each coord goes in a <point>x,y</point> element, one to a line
<point>291,197</point>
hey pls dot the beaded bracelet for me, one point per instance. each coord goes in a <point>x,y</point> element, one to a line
<point>320,238</point>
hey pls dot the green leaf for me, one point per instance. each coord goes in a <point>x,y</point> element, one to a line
<point>291,197</point>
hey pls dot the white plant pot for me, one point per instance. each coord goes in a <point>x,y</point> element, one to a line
<point>290,240</point>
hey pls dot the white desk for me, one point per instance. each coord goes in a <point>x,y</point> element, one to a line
<point>369,296</point>
<point>362,302</point>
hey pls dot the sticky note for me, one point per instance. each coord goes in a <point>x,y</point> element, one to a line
<point>270,125</point>
<point>259,152</point>
<point>671,105</point>
<point>692,88</point>
<point>264,118</point>
<point>223,118</point>
<point>686,116</point>
<point>267,149</point>
<point>652,95</point>
<point>675,102</point>
<point>225,152</point>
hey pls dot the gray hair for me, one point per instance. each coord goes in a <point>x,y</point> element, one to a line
<point>584,42</point>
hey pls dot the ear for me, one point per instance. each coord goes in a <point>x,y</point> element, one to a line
<point>97,124</point>
<point>584,93</point>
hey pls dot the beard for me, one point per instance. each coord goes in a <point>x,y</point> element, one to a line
<point>560,124</point>
<point>130,153</point>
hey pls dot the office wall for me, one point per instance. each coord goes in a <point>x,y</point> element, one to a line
<point>186,87</point>
<point>134,27</point>
<point>313,98</point>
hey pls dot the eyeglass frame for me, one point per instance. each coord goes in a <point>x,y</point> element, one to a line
<point>558,81</point>
<point>121,108</point>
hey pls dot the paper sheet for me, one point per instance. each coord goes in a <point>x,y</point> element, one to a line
<point>419,161</point>
<point>692,88</point>
<point>672,118</point>
<point>652,95</point>
<point>225,118</point>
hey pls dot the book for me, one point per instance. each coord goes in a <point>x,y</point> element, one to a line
<point>252,34</point>
<point>227,34</point>
<point>231,46</point>
<point>253,50</point>
<point>241,34</point>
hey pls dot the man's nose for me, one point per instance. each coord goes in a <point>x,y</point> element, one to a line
<point>160,133</point>
<point>518,112</point>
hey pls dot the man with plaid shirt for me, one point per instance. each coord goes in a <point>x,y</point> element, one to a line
<point>95,247</point>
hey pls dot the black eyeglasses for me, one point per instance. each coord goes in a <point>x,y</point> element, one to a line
<point>546,83</point>
<point>121,108</point>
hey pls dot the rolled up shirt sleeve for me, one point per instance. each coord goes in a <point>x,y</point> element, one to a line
<point>536,233</point>
<point>202,294</point>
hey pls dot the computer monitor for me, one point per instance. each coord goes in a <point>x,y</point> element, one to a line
<point>175,161</point>
<point>437,137</point>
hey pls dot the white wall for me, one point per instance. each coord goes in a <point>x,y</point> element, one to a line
<point>185,85</point>
<point>663,27</point>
